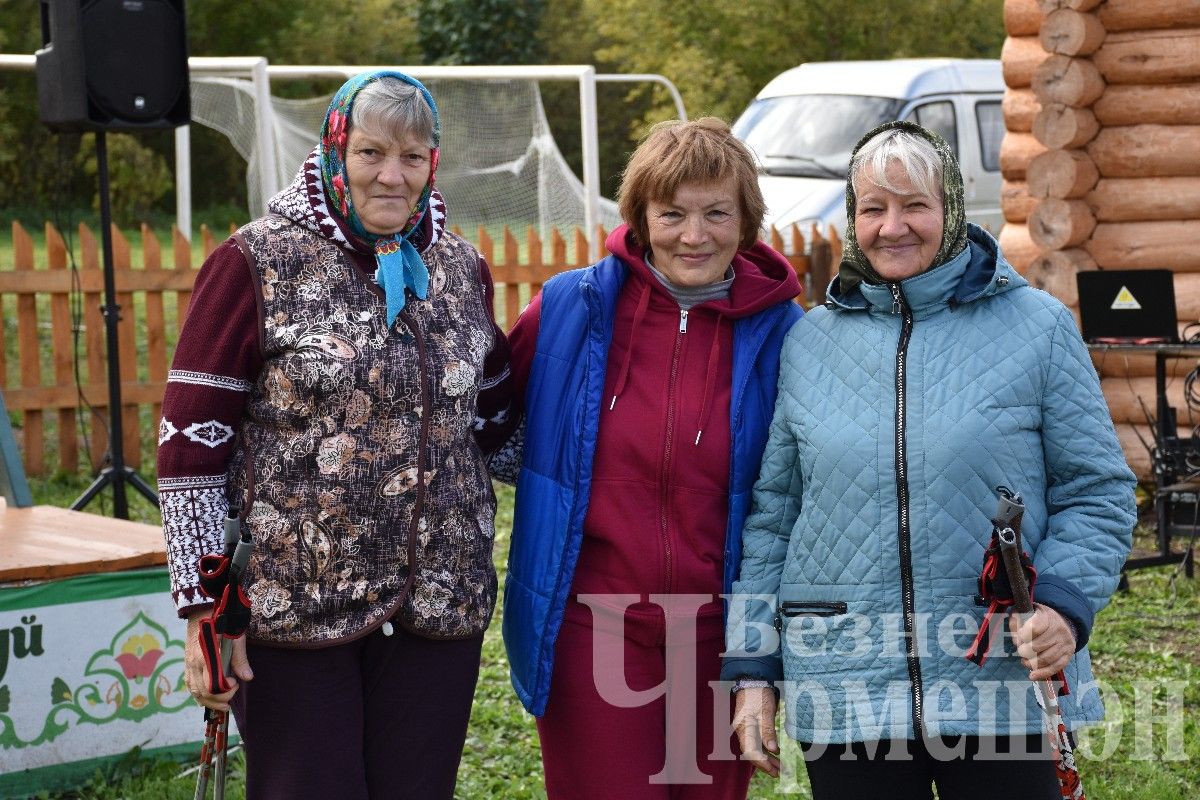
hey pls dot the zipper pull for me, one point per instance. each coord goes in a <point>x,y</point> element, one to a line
<point>895,297</point>
<point>683,320</point>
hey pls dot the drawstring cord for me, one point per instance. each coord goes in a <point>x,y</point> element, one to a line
<point>643,304</point>
<point>714,352</point>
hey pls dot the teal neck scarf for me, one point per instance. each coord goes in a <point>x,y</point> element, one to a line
<point>399,267</point>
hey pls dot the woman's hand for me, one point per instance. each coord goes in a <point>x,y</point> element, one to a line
<point>1045,641</point>
<point>196,668</point>
<point>754,725</point>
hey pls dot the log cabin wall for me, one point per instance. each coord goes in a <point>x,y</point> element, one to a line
<point>1101,164</point>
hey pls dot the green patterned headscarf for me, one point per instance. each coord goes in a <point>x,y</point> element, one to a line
<point>855,267</point>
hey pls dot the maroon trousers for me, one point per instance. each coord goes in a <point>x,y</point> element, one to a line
<point>593,749</point>
<point>379,717</point>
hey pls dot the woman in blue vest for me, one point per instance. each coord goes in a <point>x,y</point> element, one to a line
<point>648,380</point>
<point>934,374</point>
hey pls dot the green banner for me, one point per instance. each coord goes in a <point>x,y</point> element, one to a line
<point>85,588</point>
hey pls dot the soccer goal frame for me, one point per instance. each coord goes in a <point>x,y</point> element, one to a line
<point>260,73</point>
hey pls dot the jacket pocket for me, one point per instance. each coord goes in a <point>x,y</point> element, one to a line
<point>809,608</point>
<point>823,636</point>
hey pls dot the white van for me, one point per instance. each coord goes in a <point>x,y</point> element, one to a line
<point>804,123</point>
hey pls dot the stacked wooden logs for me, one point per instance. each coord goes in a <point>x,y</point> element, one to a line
<point>1102,161</point>
<point>1020,59</point>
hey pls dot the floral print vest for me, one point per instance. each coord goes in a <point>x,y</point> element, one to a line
<point>371,498</point>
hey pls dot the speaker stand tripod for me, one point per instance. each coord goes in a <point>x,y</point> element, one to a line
<point>117,472</point>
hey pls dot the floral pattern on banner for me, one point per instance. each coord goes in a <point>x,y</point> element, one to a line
<point>140,674</point>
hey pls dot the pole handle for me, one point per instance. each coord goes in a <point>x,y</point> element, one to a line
<point>233,527</point>
<point>1010,552</point>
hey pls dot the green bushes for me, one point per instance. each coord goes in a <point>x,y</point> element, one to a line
<point>138,176</point>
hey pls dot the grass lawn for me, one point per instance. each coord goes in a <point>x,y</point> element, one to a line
<point>1146,648</point>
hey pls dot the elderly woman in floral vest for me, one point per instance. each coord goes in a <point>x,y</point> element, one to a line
<point>338,374</point>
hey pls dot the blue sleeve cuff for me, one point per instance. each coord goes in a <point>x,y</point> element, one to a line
<point>1061,595</point>
<point>769,668</point>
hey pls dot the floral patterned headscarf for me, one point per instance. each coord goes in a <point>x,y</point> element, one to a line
<point>855,268</point>
<point>398,264</point>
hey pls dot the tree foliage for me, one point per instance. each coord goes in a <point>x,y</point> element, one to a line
<point>138,177</point>
<point>718,54</point>
<point>480,31</point>
<point>295,32</point>
<point>382,32</point>
<point>31,172</point>
<point>567,41</point>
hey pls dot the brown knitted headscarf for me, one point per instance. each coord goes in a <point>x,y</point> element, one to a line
<point>855,267</point>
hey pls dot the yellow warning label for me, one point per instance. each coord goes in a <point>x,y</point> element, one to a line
<point>1125,301</point>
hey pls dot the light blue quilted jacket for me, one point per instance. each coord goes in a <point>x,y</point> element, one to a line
<point>897,418</point>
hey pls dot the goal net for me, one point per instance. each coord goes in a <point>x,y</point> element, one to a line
<point>500,164</point>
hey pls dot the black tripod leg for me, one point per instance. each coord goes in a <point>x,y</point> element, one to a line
<point>102,480</point>
<point>141,485</point>
<point>116,473</point>
<point>109,476</point>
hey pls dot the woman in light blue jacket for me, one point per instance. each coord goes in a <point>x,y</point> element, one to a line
<point>933,375</point>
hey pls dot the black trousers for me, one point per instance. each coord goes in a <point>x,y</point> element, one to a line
<point>380,717</point>
<point>962,768</point>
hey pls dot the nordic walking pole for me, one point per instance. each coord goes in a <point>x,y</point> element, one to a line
<point>212,719</point>
<point>206,750</point>
<point>221,749</point>
<point>237,566</point>
<point>1069,782</point>
<point>221,579</point>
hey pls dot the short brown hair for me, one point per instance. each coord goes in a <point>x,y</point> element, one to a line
<point>674,153</point>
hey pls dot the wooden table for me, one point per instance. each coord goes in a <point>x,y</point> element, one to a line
<point>44,542</point>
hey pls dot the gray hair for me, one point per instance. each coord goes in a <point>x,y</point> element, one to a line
<point>915,154</point>
<point>391,107</point>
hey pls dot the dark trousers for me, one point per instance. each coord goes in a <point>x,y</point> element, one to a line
<point>963,768</point>
<point>380,717</point>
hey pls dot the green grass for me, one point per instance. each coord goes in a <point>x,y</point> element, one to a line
<point>1146,647</point>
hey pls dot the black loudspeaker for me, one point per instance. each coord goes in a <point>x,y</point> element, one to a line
<point>113,65</point>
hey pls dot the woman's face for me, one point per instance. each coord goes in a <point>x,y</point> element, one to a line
<point>694,236</point>
<point>386,178</point>
<point>899,233</point>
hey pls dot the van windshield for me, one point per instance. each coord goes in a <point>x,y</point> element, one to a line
<point>811,135</point>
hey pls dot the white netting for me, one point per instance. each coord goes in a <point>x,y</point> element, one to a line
<point>500,164</point>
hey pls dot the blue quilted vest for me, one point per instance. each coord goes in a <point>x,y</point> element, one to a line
<point>562,412</point>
